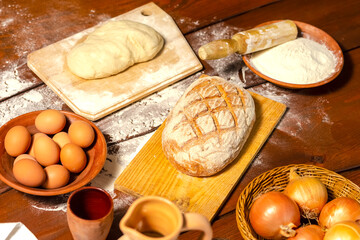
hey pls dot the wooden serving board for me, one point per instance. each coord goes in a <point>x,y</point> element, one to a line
<point>95,99</point>
<point>150,173</point>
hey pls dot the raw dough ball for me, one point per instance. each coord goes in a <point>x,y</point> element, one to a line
<point>112,48</point>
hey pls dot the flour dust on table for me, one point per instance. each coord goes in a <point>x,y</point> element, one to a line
<point>228,67</point>
<point>119,156</point>
<point>13,73</point>
<point>33,100</point>
<point>10,81</point>
<point>293,126</point>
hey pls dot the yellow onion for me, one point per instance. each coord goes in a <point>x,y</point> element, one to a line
<point>347,230</point>
<point>308,192</point>
<point>274,215</point>
<point>309,232</point>
<point>338,210</point>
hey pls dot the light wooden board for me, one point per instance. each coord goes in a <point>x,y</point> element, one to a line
<point>95,99</point>
<point>150,173</point>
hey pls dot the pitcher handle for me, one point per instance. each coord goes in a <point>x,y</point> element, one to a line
<point>195,221</point>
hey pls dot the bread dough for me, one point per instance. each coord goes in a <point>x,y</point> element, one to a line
<point>112,48</point>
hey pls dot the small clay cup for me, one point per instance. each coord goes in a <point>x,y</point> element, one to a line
<point>90,213</point>
<point>156,218</point>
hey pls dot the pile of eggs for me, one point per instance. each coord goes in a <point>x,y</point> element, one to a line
<point>46,159</point>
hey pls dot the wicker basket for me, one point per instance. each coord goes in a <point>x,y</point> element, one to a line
<point>277,179</point>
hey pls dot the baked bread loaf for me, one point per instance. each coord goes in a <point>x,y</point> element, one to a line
<point>208,126</point>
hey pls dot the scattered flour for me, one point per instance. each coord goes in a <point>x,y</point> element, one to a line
<point>301,61</point>
<point>189,23</point>
<point>272,92</point>
<point>320,104</point>
<point>258,161</point>
<point>292,125</point>
<point>10,81</point>
<point>34,97</point>
<point>118,158</point>
<point>50,206</point>
<point>228,67</point>
<point>21,30</point>
<point>7,22</point>
<point>32,100</point>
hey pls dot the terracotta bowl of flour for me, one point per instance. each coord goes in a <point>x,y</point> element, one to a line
<point>310,32</point>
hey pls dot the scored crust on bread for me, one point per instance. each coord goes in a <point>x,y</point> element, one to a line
<point>208,126</point>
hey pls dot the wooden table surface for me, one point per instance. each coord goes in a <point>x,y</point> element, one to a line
<point>320,126</point>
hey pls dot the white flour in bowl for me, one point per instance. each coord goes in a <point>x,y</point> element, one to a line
<point>300,61</point>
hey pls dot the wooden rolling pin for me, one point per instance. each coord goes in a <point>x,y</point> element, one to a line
<point>251,40</point>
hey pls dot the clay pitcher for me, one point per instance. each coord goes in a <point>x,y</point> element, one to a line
<point>156,218</point>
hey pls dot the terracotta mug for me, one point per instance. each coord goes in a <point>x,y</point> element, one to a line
<point>157,218</point>
<point>90,213</point>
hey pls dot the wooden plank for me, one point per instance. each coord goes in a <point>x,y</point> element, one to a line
<point>150,173</point>
<point>95,99</point>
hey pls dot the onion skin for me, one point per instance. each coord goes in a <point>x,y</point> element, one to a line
<point>347,230</point>
<point>338,210</point>
<point>308,192</point>
<point>273,215</point>
<point>309,232</point>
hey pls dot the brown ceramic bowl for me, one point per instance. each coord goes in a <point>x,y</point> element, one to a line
<point>96,155</point>
<point>307,31</point>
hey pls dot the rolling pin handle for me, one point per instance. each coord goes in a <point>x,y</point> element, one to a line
<point>218,49</point>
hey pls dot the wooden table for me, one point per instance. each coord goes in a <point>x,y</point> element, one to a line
<point>320,126</point>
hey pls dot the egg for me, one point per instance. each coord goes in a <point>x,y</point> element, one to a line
<point>29,173</point>
<point>50,121</point>
<point>33,139</point>
<point>73,157</point>
<point>23,156</point>
<point>17,141</point>
<point>61,138</point>
<point>56,176</point>
<point>81,133</point>
<point>47,152</point>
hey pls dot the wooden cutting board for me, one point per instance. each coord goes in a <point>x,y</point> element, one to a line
<point>95,99</point>
<point>150,173</point>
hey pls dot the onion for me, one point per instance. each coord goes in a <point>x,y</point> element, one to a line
<point>338,210</point>
<point>347,230</point>
<point>308,192</point>
<point>309,232</point>
<point>274,215</point>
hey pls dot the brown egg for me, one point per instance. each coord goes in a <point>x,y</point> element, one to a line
<point>61,138</point>
<point>50,121</point>
<point>81,133</point>
<point>33,139</point>
<point>73,157</point>
<point>17,141</point>
<point>24,156</point>
<point>29,172</point>
<point>47,152</point>
<point>56,176</point>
